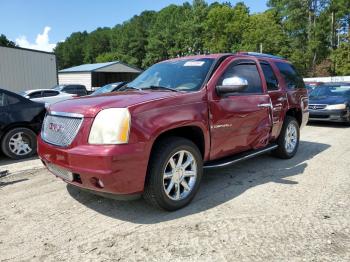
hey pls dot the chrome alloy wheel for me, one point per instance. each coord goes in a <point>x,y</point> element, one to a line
<point>19,144</point>
<point>179,176</point>
<point>291,138</point>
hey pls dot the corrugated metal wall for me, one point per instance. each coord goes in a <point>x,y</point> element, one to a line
<point>75,78</point>
<point>23,69</point>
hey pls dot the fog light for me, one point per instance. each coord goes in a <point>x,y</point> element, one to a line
<point>97,182</point>
<point>100,183</point>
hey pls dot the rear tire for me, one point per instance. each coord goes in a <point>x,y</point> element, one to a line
<point>288,140</point>
<point>19,143</point>
<point>174,173</point>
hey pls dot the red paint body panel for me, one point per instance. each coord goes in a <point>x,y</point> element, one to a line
<point>229,125</point>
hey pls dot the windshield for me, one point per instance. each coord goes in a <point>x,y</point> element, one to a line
<point>330,91</point>
<point>58,87</point>
<point>24,93</point>
<point>105,89</point>
<point>181,75</point>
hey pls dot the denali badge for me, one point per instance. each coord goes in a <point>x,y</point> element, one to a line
<point>55,127</point>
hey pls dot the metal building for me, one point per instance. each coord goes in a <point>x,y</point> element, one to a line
<point>23,69</point>
<point>96,75</point>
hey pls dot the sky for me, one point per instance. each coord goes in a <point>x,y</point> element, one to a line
<point>40,24</point>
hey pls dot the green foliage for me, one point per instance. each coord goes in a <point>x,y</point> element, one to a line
<point>5,42</point>
<point>341,59</point>
<point>301,31</point>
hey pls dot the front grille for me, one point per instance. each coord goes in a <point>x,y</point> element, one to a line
<point>319,116</point>
<point>60,172</point>
<point>61,128</point>
<point>316,107</point>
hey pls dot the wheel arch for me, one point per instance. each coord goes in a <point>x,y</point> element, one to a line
<point>296,113</point>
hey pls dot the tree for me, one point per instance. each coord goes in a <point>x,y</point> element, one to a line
<point>5,42</point>
<point>71,51</point>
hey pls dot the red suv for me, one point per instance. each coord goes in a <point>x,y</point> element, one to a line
<point>155,135</point>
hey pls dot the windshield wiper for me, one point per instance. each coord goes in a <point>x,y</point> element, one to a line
<point>161,87</point>
<point>123,88</point>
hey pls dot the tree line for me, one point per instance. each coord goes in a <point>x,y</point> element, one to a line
<point>313,34</point>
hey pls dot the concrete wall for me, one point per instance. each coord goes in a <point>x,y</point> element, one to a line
<point>75,78</point>
<point>22,69</point>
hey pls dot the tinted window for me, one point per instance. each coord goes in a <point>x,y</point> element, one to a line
<point>35,95</point>
<point>80,90</point>
<point>2,99</point>
<point>270,77</point>
<point>247,70</point>
<point>293,80</point>
<point>50,93</point>
<point>6,99</point>
<point>69,89</point>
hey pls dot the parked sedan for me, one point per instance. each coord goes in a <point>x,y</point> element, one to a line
<point>108,88</point>
<point>75,89</point>
<point>47,96</point>
<point>20,122</point>
<point>330,102</point>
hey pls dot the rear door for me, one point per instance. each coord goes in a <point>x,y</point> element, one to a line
<point>239,121</point>
<point>278,97</point>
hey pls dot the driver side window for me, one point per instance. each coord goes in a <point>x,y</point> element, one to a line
<point>247,70</point>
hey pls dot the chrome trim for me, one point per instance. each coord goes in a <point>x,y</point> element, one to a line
<point>62,114</point>
<point>242,158</point>
<point>66,114</point>
<point>265,105</point>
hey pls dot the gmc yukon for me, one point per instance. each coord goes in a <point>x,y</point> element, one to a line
<point>155,135</point>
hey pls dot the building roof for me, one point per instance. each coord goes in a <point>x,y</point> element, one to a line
<point>115,66</point>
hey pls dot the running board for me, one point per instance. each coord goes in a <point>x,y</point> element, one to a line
<point>227,161</point>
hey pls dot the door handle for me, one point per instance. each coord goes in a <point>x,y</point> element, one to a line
<point>264,105</point>
<point>281,99</point>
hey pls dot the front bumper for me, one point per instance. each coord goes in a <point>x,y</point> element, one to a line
<point>329,115</point>
<point>121,168</point>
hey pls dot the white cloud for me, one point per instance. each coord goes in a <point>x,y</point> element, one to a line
<point>42,41</point>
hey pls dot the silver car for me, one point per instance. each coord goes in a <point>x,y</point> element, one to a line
<point>47,96</point>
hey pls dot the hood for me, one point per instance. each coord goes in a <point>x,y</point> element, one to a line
<point>328,100</point>
<point>89,106</point>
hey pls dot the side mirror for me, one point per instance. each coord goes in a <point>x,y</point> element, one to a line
<point>232,85</point>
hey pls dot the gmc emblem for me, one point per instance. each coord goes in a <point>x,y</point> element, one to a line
<point>55,127</point>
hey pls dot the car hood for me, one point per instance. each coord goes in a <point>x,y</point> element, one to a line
<point>89,106</point>
<point>327,100</point>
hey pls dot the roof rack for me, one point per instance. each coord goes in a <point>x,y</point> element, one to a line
<point>261,55</point>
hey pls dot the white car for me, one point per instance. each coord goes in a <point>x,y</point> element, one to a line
<point>47,96</point>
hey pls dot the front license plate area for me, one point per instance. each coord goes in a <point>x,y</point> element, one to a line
<point>60,172</point>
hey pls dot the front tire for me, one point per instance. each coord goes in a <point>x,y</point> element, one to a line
<point>19,143</point>
<point>288,140</point>
<point>174,173</point>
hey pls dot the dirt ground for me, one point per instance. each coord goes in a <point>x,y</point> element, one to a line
<point>264,209</point>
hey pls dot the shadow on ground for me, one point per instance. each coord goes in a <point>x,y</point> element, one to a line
<point>328,124</point>
<point>218,186</point>
<point>7,161</point>
<point>7,183</point>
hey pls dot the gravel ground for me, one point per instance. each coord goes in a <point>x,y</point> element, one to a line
<point>264,209</point>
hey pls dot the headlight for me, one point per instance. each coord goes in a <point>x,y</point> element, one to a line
<point>339,107</point>
<point>111,126</point>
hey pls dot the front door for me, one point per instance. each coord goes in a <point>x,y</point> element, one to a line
<point>239,121</point>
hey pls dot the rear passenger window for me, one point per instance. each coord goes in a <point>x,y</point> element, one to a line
<point>6,100</point>
<point>50,93</point>
<point>245,69</point>
<point>270,77</point>
<point>35,95</point>
<point>69,89</point>
<point>292,78</point>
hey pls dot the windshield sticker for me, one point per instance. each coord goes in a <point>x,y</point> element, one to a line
<point>194,63</point>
